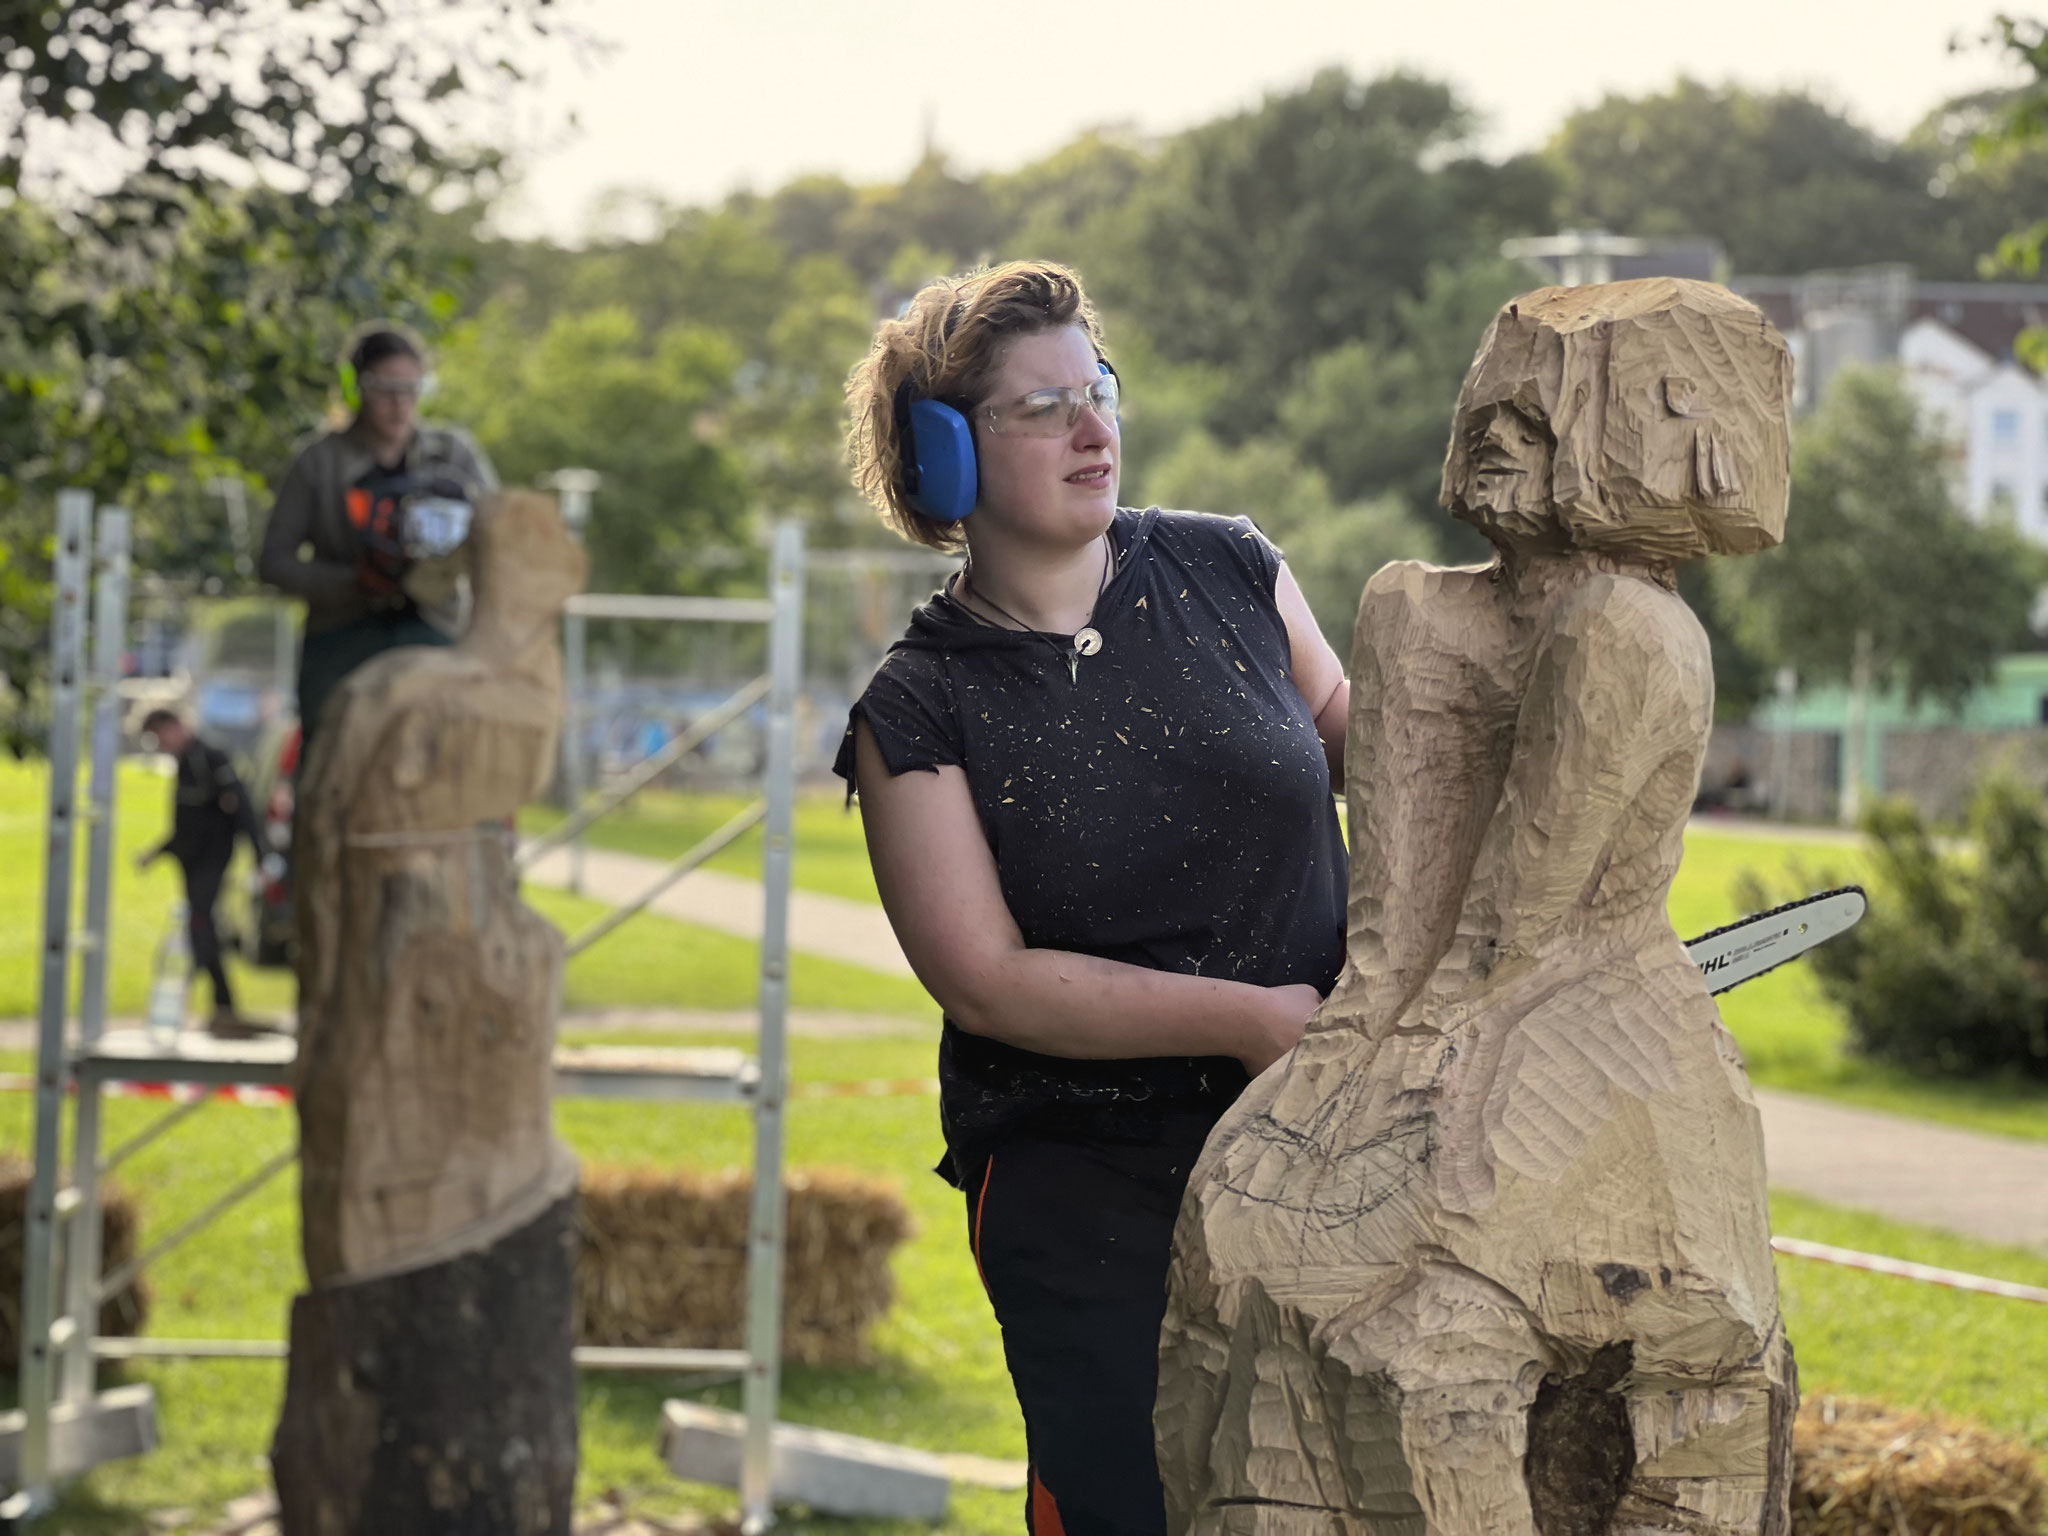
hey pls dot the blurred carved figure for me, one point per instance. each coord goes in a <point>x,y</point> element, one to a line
<point>1488,1254</point>
<point>431,1383</point>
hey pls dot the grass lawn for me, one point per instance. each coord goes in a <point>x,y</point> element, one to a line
<point>938,1380</point>
<point>831,853</point>
<point>649,962</point>
<point>1794,1038</point>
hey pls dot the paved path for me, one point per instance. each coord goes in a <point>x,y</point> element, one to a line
<point>834,927</point>
<point>1991,1187</point>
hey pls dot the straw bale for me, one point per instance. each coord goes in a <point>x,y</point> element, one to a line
<point>1863,1469</point>
<point>663,1261</point>
<point>119,1315</point>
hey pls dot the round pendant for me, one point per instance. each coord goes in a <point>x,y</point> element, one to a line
<point>1088,641</point>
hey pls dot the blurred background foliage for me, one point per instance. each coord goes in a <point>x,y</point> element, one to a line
<point>1292,294</point>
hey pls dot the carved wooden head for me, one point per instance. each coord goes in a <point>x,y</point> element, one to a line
<point>1649,419</point>
<point>527,564</point>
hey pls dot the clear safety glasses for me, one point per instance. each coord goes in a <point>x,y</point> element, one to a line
<point>412,389</point>
<point>1053,412</point>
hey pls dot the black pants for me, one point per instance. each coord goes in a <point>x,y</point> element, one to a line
<point>203,879</point>
<point>1072,1238</point>
<point>328,657</point>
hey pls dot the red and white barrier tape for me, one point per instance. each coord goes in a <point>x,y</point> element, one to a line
<point>1927,1274</point>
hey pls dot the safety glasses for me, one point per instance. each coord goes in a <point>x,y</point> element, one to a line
<point>412,389</point>
<point>1053,412</point>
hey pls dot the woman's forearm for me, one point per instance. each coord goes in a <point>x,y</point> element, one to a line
<point>1064,1004</point>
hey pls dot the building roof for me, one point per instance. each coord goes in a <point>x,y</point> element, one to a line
<point>1991,315</point>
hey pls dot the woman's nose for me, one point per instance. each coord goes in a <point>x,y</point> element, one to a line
<point>1093,429</point>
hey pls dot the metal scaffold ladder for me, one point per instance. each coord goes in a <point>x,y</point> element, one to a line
<point>64,1426</point>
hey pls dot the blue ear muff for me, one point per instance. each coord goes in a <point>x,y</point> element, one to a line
<point>941,452</point>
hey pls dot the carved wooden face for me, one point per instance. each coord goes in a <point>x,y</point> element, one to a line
<point>1499,474</point>
<point>1663,407</point>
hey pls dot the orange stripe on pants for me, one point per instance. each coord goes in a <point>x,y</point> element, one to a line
<point>1043,1517</point>
<point>980,1201</point>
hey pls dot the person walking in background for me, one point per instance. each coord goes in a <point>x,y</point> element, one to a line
<point>1095,779</point>
<point>209,808</point>
<point>336,535</point>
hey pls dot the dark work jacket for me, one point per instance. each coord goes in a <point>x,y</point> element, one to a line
<point>1164,803</point>
<point>210,807</point>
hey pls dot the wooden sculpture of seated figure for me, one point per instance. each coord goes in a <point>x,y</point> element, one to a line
<point>1488,1255</point>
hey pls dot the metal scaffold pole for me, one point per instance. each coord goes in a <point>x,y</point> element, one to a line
<point>765,1225</point>
<point>110,644</point>
<point>67,658</point>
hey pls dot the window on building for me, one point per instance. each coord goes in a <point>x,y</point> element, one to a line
<point>2005,427</point>
<point>2004,504</point>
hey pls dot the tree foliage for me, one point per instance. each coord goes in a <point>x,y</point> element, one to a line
<point>1266,238</point>
<point>1947,974</point>
<point>197,199</point>
<point>2011,139</point>
<point>1788,183</point>
<point>1876,546</point>
<point>593,390</point>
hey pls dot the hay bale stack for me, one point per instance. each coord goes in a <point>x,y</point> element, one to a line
<point>1862,1469</point>
<point>119,1315</point>
<point>663,1261</point>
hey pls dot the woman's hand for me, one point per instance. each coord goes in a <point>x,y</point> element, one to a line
<point>1278,1028</point>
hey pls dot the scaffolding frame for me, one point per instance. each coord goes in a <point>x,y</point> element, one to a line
<point>64,1426</point>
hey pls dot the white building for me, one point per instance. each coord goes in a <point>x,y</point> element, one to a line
<point>1994,413</point>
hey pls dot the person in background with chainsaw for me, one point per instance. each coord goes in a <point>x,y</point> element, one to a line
<point>346,532</point>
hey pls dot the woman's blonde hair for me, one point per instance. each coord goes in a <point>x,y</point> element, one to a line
<point>947,345</point>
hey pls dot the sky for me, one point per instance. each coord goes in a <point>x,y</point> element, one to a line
<point>693,99</point>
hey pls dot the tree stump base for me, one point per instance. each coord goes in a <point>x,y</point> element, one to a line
<point>441,1400</point>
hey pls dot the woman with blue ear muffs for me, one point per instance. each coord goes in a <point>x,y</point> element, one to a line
<point>1095,779</point>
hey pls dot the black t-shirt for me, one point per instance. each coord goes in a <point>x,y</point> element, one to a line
<point>1164,803</point>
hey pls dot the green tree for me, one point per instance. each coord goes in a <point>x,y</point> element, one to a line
<point>1785,182</point>
<point>1882,579</point>
<point>1947,974</point>
<point>232,184</point>
<point>1984,179</point>
<point>950,214</point>
<point>791,417</point>
<point>1332,549</point>
<point>1266,238</point>
<point>1066,206</point>
<point>650,413</point>
<point>2011,143</point>
<point>1375,416</point>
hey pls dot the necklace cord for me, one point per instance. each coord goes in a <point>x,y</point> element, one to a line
<point>1109,562</point>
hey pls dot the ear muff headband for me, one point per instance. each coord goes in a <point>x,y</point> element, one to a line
<point>941,477</point>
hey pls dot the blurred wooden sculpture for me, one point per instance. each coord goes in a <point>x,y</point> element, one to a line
<point>431,1383</point>
<point>1487,1255</point>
